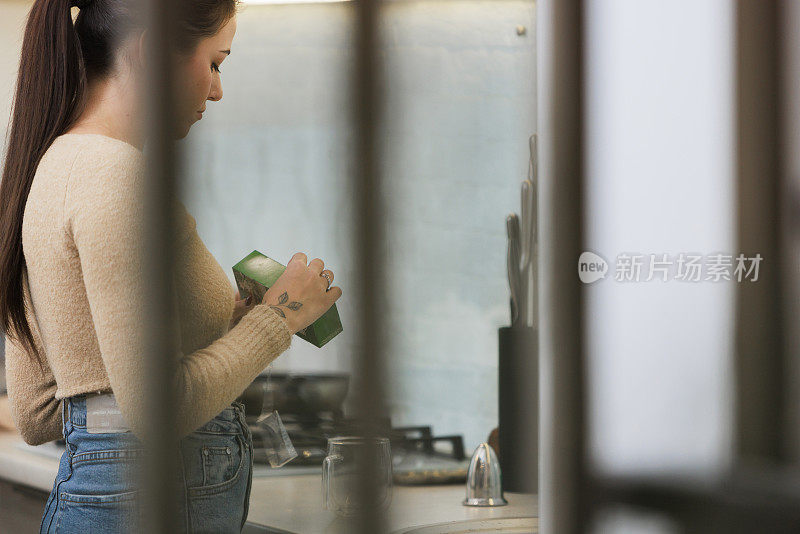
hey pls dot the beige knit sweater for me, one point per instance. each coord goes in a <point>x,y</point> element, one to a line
<point>82,240</point>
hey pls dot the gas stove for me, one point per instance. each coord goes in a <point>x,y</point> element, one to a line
<point>419,457</point>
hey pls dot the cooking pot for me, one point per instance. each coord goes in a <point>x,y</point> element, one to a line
<point>296,393</point>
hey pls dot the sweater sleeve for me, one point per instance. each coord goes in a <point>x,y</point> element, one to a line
<point>104,215</point>
<point>31,389</point>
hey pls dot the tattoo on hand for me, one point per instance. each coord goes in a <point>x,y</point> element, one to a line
<point>294,306</point>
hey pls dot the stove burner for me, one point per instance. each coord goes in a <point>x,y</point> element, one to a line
<point>310,433</point>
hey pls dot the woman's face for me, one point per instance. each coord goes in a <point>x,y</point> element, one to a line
<point>198,76</point>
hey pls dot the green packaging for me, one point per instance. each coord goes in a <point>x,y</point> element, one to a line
<point>256,273</point>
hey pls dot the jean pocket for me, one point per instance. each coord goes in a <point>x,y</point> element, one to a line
<point>213,463</point>
<point>118,512</point>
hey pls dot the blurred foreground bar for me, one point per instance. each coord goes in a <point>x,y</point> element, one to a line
<point>370,287</point>
<point>761,366</point>
<point>564,301</point>
<point>162,491</point>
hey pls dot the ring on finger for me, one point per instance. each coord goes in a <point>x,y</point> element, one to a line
<point>328,278</point>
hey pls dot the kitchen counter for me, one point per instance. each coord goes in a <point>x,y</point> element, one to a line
<point>294,504</point>
<point>291,503</point>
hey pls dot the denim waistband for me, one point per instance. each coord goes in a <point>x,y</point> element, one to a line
<point>76,408</point>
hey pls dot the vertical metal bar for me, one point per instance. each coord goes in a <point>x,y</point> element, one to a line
<point>790,112</point>
<point>565,302</point>
<point>760,361</point>
<point>369,240</point>
<point>161,469</point>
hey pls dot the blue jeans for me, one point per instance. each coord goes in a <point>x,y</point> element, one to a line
<point>96,488</point>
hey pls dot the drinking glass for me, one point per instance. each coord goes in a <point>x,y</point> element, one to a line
<point>343,467</point>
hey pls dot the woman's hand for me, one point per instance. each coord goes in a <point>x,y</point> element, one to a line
<point>240,309</point>
<point>301,294</point>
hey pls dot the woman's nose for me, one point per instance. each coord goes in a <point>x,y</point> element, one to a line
<point>216,91</point>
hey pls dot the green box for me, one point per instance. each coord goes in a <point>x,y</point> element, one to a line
<point>256,273</point>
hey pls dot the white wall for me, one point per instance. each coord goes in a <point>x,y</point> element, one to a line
<point>12,27</point>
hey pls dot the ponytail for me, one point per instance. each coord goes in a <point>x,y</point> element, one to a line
<point>49,96</point>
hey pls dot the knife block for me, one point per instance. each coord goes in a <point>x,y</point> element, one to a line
<point>518,407</point>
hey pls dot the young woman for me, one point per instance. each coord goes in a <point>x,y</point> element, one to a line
<point>71,285</point>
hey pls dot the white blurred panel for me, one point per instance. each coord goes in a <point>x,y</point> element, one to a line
<point>660,181</point>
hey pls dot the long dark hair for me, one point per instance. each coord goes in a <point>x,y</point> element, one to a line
<point>58,60</point>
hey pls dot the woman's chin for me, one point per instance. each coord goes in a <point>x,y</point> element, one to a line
<point>182,131</point>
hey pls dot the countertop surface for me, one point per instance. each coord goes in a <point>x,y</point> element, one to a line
<point>289,503</point>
